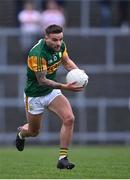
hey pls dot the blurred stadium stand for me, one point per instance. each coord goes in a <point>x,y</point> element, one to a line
<point>102,114</point>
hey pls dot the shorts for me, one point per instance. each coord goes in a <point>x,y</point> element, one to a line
<point>36,105</point>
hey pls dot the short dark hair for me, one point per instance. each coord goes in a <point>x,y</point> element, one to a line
<point>53,29</point>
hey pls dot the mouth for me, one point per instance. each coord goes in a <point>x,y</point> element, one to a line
<point>57,47</point>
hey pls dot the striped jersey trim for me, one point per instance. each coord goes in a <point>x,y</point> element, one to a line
<point>27,106</point>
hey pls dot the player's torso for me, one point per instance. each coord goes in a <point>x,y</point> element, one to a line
<point>53,61</point>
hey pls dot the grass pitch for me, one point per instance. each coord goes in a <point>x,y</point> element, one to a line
<point>92,162</point>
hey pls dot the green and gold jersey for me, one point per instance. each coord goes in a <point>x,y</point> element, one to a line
<point>40,58</point>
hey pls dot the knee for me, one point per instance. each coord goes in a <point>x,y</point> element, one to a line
<point>69,120</point>
<point>34,133</point>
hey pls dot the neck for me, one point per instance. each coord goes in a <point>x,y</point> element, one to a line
<point>48,47</point>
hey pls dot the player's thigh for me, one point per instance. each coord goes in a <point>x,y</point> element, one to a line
<point>61,106</point>
<point>34,121</point>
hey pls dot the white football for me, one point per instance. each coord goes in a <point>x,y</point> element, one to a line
<point>78,76</point>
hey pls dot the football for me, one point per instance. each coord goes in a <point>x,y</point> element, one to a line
<point>78,76</point>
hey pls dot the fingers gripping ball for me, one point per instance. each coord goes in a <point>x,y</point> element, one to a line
<point>78,76</point>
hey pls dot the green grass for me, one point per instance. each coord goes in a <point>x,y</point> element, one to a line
<point>92,162</point>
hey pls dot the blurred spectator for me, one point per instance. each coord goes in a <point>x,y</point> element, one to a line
<point>124,7</point>
<point>53,14</point>
<point>29,19</point>
<point>105,13</point>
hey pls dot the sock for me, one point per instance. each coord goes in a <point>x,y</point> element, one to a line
<point>20,135</point>
<point>63,153</point>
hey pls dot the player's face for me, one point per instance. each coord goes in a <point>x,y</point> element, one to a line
<point>54,41</point>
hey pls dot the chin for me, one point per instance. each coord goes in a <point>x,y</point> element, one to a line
<point>57,49</point>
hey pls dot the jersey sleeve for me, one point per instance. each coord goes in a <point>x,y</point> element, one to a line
<point>36,63</point>
<point>65,53</point>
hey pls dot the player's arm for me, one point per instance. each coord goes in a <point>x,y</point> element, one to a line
<point>43,81</point>
<point>39,66</point>
<point>68,63</point>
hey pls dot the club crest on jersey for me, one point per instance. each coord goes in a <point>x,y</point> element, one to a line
<point>55,58</point>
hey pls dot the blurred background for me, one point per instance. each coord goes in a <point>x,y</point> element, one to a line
<point>97,34</point>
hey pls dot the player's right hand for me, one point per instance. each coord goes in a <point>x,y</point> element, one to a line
<point>72,87</point>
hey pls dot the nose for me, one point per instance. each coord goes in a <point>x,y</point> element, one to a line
<point>58,43</point>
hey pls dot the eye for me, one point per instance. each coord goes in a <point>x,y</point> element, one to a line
<point>55,40</point>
